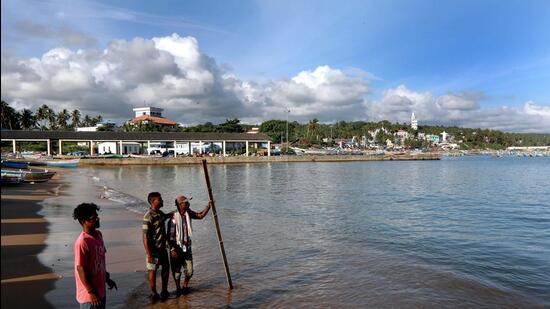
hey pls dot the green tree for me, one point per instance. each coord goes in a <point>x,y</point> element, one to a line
<point>28,119</point>
<point>230,126</point>
<point>10,117</point>
<point>75,118</point>
<point>87,122</point>
<point>62,119</point>
<point>46,117</point>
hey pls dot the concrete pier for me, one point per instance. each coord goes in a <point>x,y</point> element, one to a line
<point>253,159</point>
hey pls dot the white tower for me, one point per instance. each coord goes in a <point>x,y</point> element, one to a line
<point>414,122</point>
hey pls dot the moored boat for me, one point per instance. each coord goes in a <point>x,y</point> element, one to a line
<point>62,163</point>
<point>15,164</point>
<point>11,177</point>
<point>28,175</point>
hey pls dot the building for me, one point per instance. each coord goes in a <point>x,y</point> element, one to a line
<point>432,138</point>
<point>253,130</point>
<point>145,115</point>
<point>151,111</point>
<point>444,136</point>
<point>414,122</point>
<point>145,142</point>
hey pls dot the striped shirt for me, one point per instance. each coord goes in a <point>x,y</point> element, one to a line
<point>153,224</point>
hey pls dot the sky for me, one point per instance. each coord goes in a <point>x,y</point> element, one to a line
<point>468,63</point>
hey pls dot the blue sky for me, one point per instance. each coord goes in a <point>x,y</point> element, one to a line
<point>497,50</point>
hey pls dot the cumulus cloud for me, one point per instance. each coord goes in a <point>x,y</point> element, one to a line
<point>171,72</point>
<point>461,109</point>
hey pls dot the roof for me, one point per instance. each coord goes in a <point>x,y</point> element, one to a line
<point>154,119</point>
<point>133,136</point>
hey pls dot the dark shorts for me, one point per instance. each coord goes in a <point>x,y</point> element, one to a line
<point>184,259</point>
<point>160,258</point>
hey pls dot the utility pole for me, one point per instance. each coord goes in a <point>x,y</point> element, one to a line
<point>287,112</point>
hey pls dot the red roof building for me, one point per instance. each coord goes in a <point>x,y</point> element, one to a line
<point>153,119</point>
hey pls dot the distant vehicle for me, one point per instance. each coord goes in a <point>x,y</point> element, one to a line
<point>77,153</point>
<point>169,153</point>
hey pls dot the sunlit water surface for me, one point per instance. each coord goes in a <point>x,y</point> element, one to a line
<point>460,232</point>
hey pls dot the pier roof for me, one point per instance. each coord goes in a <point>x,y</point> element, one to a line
<point>132,136</point>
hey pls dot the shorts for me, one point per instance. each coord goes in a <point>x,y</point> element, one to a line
<point>160,258</point>
<point>90,306</point>
<point>184,259</point>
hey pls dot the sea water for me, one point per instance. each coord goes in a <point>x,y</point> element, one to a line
<point>459,232</point>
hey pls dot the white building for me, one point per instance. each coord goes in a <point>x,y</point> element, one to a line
<point>414,122</point>
<point>150,111</point>
<point>444,136</point>
<point>113,147</point>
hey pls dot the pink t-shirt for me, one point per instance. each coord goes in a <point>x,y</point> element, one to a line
<point>89,252</point>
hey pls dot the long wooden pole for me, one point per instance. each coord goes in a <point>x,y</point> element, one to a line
<point>218,231</point>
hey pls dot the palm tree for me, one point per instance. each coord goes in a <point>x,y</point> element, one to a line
<point>75,117</point>
<point>28,120</point>
<point>312,126</point>
<point>62,119</point>
<point>45,113</point>
<point>10,117</point>
<point>96,120</point>
<point>87,121</point>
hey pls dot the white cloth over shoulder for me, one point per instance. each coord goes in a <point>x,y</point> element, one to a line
<point>184,231</point>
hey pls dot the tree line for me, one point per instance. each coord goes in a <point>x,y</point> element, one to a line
<point>312,133</point>
<point>45,118</point>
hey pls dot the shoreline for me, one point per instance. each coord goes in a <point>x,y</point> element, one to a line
<point>24,232</point>
<point>255,159</point>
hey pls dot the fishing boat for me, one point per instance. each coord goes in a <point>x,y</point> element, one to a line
<point>11,177</point>
<point>62,163</point>
<point>29,175</point>
<point>15,164</point>
<point>37,175</point>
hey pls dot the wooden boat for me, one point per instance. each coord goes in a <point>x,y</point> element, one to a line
<point>29,175</point>
<point>11,177</point>
<point>37,175</point>
<point>15,164</point>
<point>62,163</point>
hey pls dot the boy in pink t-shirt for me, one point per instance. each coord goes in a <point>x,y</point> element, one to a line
<point>89,259</point>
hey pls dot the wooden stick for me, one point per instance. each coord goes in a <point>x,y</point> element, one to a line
<point>218,231</point>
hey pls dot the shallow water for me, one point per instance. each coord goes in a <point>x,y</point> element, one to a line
<point>460,232</point>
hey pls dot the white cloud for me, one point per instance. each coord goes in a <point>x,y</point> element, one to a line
<point>171,72</point>
<point>461,109</point>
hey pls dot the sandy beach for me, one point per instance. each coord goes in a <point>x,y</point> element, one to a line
<point>25,281</point>
<point>38,233</point>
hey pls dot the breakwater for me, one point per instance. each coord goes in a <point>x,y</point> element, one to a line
<point>253,159</point>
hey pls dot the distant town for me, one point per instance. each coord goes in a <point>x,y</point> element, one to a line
<point>286,137</point>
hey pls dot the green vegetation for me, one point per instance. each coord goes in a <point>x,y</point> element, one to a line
<point>44,118</point>
<point>312,133</point>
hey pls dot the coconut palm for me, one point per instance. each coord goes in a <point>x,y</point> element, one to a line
<point>75,118</point>
<point>62,119</point>
<point>96,120</point>
<point>10,117</point>
<point>45,115</point>
<point>28,119</point>
<point>87,121</point>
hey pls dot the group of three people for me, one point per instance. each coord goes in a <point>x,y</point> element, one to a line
<point>162,249</point>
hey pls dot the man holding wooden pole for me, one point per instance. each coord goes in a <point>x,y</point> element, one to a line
<point>180,233</point>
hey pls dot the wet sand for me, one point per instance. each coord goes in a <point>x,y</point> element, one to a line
<point>25,280</point>
<point>38,233</point>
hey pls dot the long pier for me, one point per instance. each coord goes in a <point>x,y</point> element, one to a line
<point>253,159</point>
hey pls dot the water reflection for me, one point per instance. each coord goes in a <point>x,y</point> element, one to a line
<point>382,234</point>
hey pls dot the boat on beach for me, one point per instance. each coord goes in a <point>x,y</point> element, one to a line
<point>62,163</point>
<point>11,177</point>
<point>28,175</point>
<point>14,164</point>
